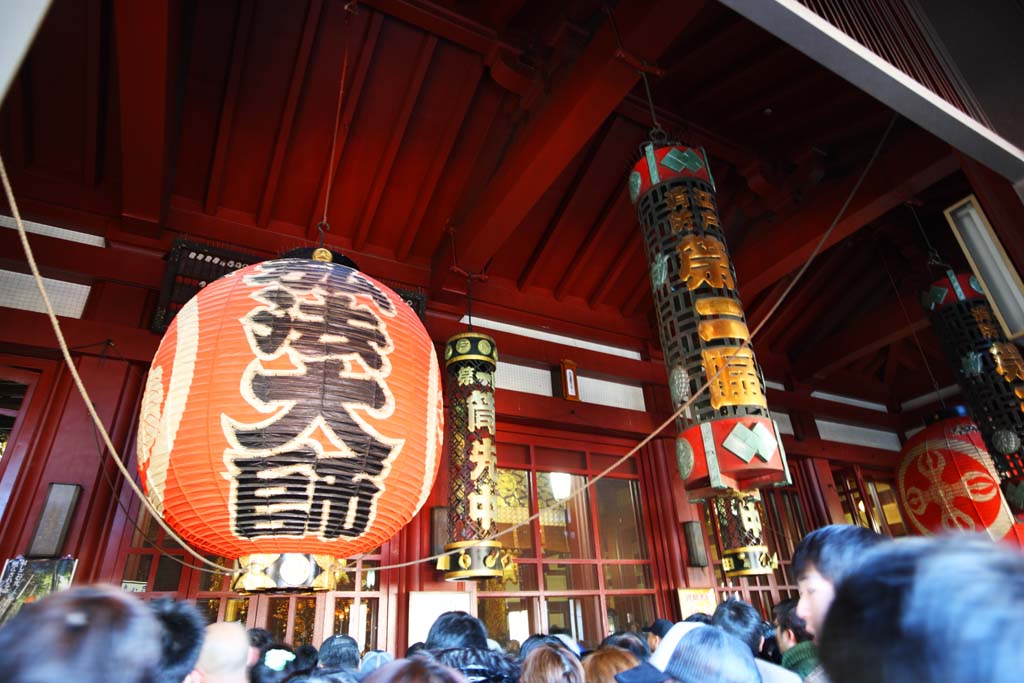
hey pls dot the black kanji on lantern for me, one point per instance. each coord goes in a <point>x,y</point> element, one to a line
<point>284,482</point>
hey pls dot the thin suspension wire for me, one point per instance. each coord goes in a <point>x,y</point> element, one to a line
<point>655,126</point>
<point>917,342</point>
<point>78,379</point>
<point>334,138</point>
<point>934,259</point>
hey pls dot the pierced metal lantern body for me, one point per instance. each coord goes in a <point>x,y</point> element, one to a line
<point>293,406</point>
<point>990,371</point>
<point>728,440</point>
<point>947,481</point>
<point>471,359</point>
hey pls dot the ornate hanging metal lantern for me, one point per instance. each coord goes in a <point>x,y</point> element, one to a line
<point>293,407</point>
<point>471,359</point>
<point>990,372</point>
<point>947,481</point>
<point>728,440</point>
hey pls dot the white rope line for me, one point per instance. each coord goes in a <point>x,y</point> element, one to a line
<point>591,481</point>
<point>78,379</point>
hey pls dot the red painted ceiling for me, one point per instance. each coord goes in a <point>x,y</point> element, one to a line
<point>497,137</point>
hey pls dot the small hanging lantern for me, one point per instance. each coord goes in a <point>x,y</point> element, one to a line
<point>947,481</point>
<point>471,359</point>
<point>989,369</point>
<point>737,518</point>
<point>293,407</point>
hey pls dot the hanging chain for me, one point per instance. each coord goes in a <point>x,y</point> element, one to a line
<point>657,133</point>
<point>934,259</point>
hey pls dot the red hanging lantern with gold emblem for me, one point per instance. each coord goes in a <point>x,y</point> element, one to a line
<point>293,406</point>
<point>947,481</point>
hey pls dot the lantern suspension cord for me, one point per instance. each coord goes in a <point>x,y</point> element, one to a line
<point>934,259</point>
<point>658,133</point>
<point>78,379</point>
<point>917,342</point>
<point>704,387</point>
<point>323,226</point>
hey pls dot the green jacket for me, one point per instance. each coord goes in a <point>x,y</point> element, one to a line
<point>801,658</point>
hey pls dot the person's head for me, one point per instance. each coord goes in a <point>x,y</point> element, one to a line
<point>928,610</point>
<point>698,618</point>
<point>601,665</point>
<point>90,634</point>
<point>183,633</point>
<point>631,642</point>
<point>373,660</point>
<point>339,652</point>
<point>457,629</point>
<point>225,653</point>
<point>419,669</point>
<point>260,638</point>
<point>740,620</point>
<point>710,655</point>
<point>534,641</point>
<point>820,561</point>
<point>323,676</point>
<point>790,629</point>
<point>306,658</point>
<point>549,663</point>
<point>414,648</point>
<point>478,666</point>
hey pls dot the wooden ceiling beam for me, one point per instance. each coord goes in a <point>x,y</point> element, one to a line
<point>908,166</point>
<point>885,325</point>
<point>147,40</point>
<point>560,127</point>
<point>596,239</point>
<point>386,161</point>
<point>284,126</point>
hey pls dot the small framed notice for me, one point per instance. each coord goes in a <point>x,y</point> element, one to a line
<point>693,600</point>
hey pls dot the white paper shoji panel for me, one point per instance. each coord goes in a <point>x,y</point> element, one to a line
<point>18,290</point>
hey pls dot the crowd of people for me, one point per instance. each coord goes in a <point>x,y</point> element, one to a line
<point>869,609</point>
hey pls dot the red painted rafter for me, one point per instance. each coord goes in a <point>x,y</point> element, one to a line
<point>386,161</point>
<point>595,240</point>
<point>640,292</point>
<point>91,124</point>
<point>352,93</point>
<point>629,249</point>
<point>227,112</point>
<point>442,155</point>
<point>146,38</point>
<point>583,171</point>
<point>284,127</point>
<point>561,126</point>
<point>885,325</point>
<point>905,168</point>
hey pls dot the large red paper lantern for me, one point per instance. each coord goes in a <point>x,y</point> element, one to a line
<point>293,406</point>
<point>947,481</point>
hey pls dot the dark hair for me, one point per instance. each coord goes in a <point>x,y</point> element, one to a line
<point>422,668</point>
<point>741,620</point>
<point>785,616</point>
<point>548,663</point>
<point>260,638</point>
<point>306,658</point>
<point>457,629</point>
<point>414,648</point>
<point>698,618</point>
<point>710,655</point>
<point>323,676</point>
<point>632,642</point>
<point>928,610</point>
<point>91,634</point>
<point>833,550</point>
<point>535,640</point>
<point>340,652</point>
<point>479,665</point>
<point>182,640</point>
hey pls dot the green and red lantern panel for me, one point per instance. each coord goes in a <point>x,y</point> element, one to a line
<point>471,359</point>
<point>990,371</point>
<point>293,407</point>
<point>728,440</point>
<point>947,481</point>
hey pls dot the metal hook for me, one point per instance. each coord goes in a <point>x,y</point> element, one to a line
<point>322,228</point>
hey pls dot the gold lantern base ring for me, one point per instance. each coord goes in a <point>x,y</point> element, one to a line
<point>471,560</point>
<point>287,571</point>
<point>751,560</point>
